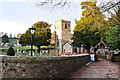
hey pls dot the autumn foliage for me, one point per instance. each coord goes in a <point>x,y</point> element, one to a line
<point>41,37</point>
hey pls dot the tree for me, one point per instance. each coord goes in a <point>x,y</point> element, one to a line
<point>115,18</point>
<point>5,39</point>
<point>88,30</point>
<point>42,35</point>
<point>88,38</point>
<point>25,38</point>
<point>113,36</point>
<point>92,20</point>
<point>104,6</point>
<point>113,33</point>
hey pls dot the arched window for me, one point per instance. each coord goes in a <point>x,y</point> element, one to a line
<point>65,26</point>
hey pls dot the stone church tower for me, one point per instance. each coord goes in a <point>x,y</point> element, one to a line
<point>62,34</point>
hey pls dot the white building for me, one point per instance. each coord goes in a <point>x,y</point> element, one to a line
<point>67,47</point>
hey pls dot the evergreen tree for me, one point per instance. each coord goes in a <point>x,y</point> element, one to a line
<point>113,33</point>
<point>5,39</point>
<point>11,51</point>
<point>90,28</point>
<point>113,37</point>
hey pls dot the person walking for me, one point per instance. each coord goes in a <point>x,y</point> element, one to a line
<point>94,55</point>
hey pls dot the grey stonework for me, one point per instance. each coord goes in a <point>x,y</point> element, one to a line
<point>0,68</point>
<point>41,67</point>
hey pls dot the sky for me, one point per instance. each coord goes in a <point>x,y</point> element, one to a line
<point>16,16</point>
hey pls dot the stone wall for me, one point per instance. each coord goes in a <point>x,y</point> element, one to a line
<point>41,67</point>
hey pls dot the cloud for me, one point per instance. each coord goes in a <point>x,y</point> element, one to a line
<point>11,27</point>
<point>20,0</point>
<point>13,0</point>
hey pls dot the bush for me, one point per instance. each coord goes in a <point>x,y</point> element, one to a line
<point>115,59</point>
<point>11,51</point>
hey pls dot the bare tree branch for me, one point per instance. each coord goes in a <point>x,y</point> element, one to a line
<point>105,6</point>
<point>110,5</point>
<point>54,3</point>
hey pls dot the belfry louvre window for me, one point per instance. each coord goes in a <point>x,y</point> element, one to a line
<point>66,26</point>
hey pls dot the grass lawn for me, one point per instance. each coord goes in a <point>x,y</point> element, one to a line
<point>13,40</point>
<point>20,47</point>
<point>102,54</point>
<point>3,50</point>
<point>27,47</point>
<point>24,47</point>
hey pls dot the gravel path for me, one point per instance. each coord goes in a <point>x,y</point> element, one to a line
<point>99,69</point>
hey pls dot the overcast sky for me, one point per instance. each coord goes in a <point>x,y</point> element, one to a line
<point>16,16</point>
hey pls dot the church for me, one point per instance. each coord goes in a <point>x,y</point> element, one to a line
<point>62,37</point>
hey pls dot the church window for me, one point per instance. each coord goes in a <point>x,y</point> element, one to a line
<point>65,26</point>
<point>68,25</point>
<point>57,44</point>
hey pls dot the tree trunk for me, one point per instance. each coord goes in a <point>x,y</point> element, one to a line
<point>88,49</point>
<point>38,49</point>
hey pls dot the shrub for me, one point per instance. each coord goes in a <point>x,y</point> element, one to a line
<point>11,51</point>
<point>115,59</point>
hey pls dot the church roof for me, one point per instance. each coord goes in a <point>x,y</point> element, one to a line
<point>69,42</point>
<point>102,42</point>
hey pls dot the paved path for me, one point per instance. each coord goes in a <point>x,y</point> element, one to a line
<point>99,69</point>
